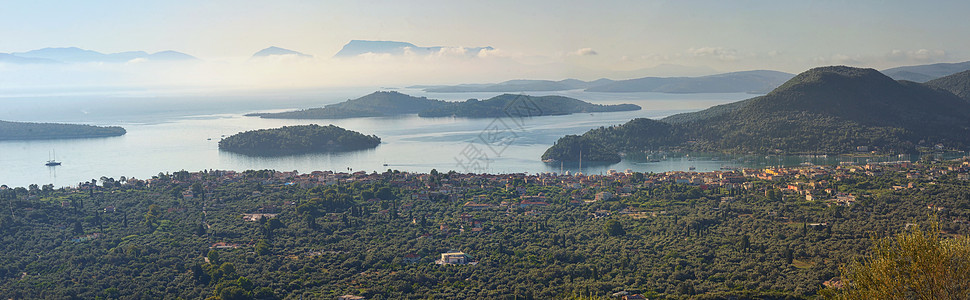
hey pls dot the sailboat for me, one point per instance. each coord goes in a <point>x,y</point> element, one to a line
<point>51,162</point>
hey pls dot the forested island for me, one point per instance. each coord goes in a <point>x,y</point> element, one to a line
<point>42,131</point>
<point>509,105</point>
<point>376,104</point>
<point>380,104</point>
<point>301,139</point>
<point>780,233</point>
<point>827,110</point>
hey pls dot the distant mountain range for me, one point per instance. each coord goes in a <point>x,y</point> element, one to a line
<point>827,110</point>
<point>358,47</point>
<point>380,104</point>
<point>924,73</point>
<point>758,82</point>
<point>271,51</point>
<point>78,55</point>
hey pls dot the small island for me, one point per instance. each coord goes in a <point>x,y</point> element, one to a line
<point>48,131</point>
<point>302,139</point>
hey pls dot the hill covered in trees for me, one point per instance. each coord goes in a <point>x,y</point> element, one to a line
<point>958,84</point>
<point>827,110</point>
<point>37,131</point>
<point>376,104</point>
<point>394,103</point>
<point>509,105</point>
<point>297,140</point>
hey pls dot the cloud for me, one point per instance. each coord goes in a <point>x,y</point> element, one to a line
<point>839,59</point>
<point>585,52</point>
<point>452,51</point>
<point>719,53</point>
<point>922,55</point>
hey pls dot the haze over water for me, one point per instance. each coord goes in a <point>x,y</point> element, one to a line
<point>169,132</point>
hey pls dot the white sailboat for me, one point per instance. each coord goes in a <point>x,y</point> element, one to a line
<point>51,162</point>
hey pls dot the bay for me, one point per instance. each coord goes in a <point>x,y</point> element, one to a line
<point>172,130</point>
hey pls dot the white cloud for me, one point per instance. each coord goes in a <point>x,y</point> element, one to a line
<point>585,52</point>
<point>923,55</point>
<point>719,53</point>
<point>839,59</point>
<point>452,51</point>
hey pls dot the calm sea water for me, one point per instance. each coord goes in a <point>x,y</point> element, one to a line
<point>170,131</point>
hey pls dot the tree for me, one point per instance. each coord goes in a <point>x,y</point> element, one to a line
<point>262,247</point>
<point>614,228</point>
<point>914,265</point>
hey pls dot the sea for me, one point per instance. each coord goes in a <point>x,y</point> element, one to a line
<point>174,129</point>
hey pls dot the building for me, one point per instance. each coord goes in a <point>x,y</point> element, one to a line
<point>453,258</point>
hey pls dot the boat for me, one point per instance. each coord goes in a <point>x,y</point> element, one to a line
<point>51,162</point>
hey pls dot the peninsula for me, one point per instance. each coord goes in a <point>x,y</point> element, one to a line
<point>48,131</point>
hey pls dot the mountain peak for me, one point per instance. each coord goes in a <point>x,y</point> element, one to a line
<point>273,50</point>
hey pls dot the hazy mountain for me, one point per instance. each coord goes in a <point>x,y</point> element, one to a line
<point>358,47</point>
<point>958,84</point>
<point>13,59</point>
<point>519,85</point>
<point>828,110</point>
<point>760,81</point>
<point>169,56</point>
<point>78,55</point>
<point>279,51</point>
<point>924,73</point>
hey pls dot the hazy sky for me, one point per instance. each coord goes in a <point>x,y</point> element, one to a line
<point>550,39</point>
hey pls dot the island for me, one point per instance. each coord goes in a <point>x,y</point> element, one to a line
<point>510,105</point>
<point>302,139</point>
<point>47,131</point>
<point>377,104</point>
<point>826,110</point>
<point>390,103</point>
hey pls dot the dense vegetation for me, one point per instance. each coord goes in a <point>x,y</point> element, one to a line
<point>376,104</point>
<point>376,235</point>
<point>915,264</point>
<point>958,84</point>
<point>596,144</point>
<point>394,103</point>
<point>33,131</point>
<point>297,140</point>
<point>509,105</point>
<point>828,110</point>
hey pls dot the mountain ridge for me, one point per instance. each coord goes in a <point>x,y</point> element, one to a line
<point>79,55</point>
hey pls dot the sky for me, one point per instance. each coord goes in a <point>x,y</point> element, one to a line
<point>532,39</point>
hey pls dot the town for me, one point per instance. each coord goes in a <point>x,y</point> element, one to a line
<point>447,234</point>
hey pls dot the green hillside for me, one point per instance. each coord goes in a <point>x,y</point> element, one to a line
<point>827,110</point>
